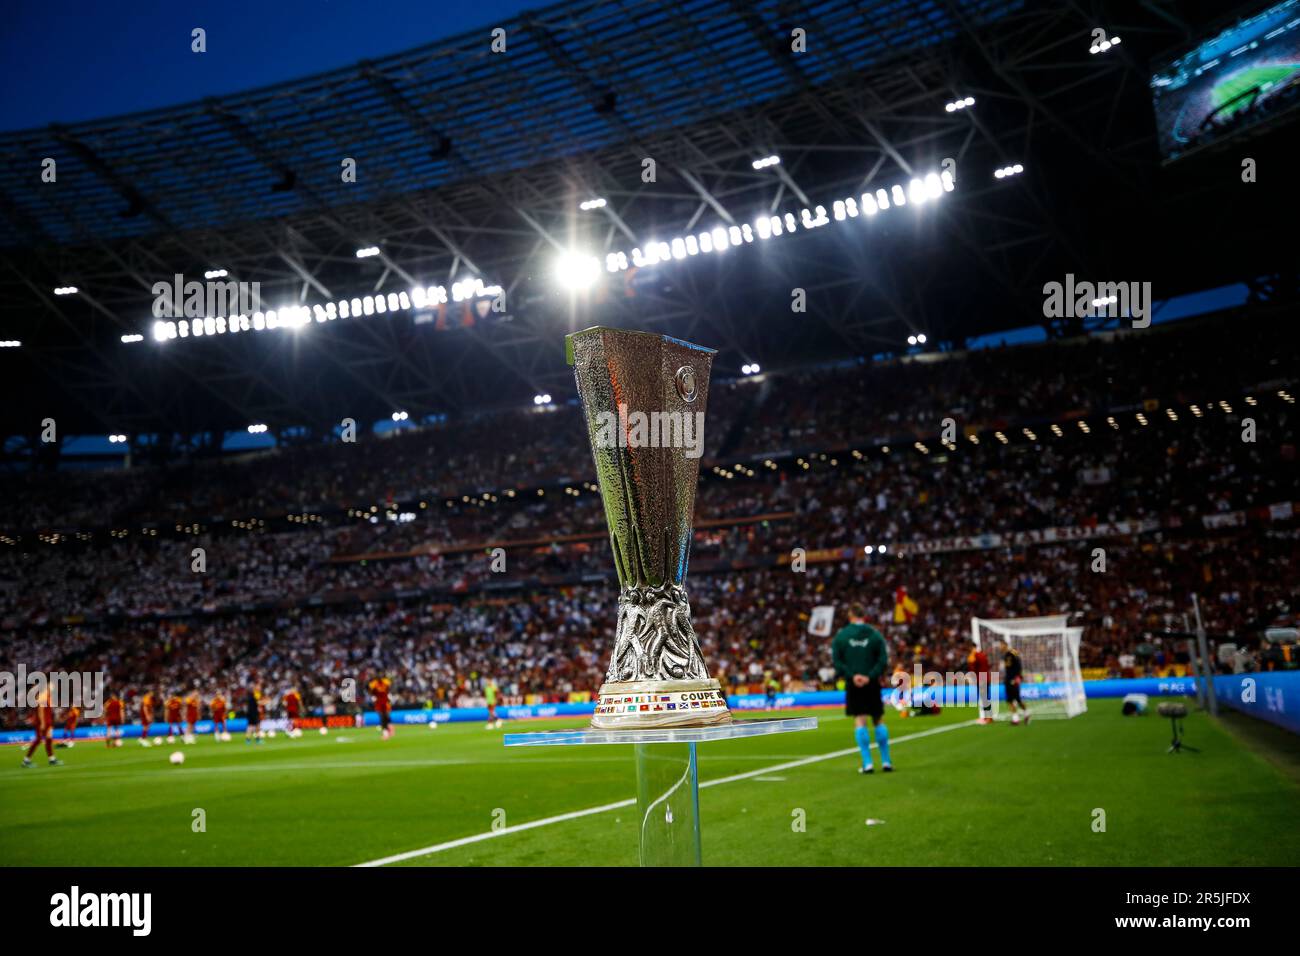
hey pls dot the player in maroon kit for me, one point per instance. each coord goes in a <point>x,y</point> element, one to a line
<point>978,663</point>
<point>43,724</point>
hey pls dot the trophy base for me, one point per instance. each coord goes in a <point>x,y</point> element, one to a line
<point>631,705</point>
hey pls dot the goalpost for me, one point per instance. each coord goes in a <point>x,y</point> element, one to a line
<point>1052,683</point>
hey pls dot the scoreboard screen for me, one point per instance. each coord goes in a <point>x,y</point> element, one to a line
<point>1245,76</point>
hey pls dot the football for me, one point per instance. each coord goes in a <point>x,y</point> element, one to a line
<point>177,758</point>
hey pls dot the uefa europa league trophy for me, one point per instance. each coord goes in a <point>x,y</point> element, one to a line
<point>644,398</point>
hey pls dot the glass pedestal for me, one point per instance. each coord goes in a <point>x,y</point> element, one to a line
<point>667,777</point>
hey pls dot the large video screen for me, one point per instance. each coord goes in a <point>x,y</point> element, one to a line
<point>1245,76</point>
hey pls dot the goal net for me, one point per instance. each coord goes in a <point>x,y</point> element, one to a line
<point>1052,684</point>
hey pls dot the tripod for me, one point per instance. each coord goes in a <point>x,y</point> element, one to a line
<point>1176,712</point>
<point>1177,745</point>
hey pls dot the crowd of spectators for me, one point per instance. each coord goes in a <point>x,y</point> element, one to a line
<point>817,409</point>
<point>555,642</point>
<point>367,586</point>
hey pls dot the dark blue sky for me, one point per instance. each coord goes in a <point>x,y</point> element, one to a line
<point>70,60</point>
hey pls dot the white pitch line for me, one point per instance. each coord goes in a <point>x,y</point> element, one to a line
<point>109,773</point>
<point>480,837</point>
<point>576,814</point>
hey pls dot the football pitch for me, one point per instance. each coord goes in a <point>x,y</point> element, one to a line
<point>962,795</point>
<point>1233,86</point>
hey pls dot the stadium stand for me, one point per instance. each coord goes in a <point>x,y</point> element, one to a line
<point>374,558</point>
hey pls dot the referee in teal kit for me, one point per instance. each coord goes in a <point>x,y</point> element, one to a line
<point>860,654</point>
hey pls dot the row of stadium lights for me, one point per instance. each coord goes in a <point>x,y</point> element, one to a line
<point>261,428</point>
<point>730,473</point>
<point>573,270</point>
<point>296,317</point>
<point>541,400</point>
<point>577,270</point>
<point>1140,417</point>
<point>299,316</point>
<point>545,400</point>
<point>801,463</point>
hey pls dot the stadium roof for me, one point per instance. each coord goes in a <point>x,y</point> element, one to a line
<point>472,165</point>
<point>573,78</point>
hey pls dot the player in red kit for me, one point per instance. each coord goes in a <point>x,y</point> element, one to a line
<point>146,717</point>
<point>43,724</point>
<point>978,664</point>
<point>192,711</point>
<point>70,718</point>
<point>292,703</point>
<point>113,712</point>
<point>173,717</point>
<point>379,688</point>
<point>218,707</point>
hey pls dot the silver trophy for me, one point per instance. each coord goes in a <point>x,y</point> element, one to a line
<point>644,397</point>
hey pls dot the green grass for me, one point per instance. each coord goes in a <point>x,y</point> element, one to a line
<point>1244,80</point>
<point>979,796</point>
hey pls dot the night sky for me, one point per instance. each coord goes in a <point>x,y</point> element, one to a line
<point>85,59</point>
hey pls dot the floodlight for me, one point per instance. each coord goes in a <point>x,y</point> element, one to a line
<point>575,270</point>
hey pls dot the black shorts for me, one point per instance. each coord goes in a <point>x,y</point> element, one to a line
<point>1012,692</point>
<point>864,700</point>
<point>385,718</point>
